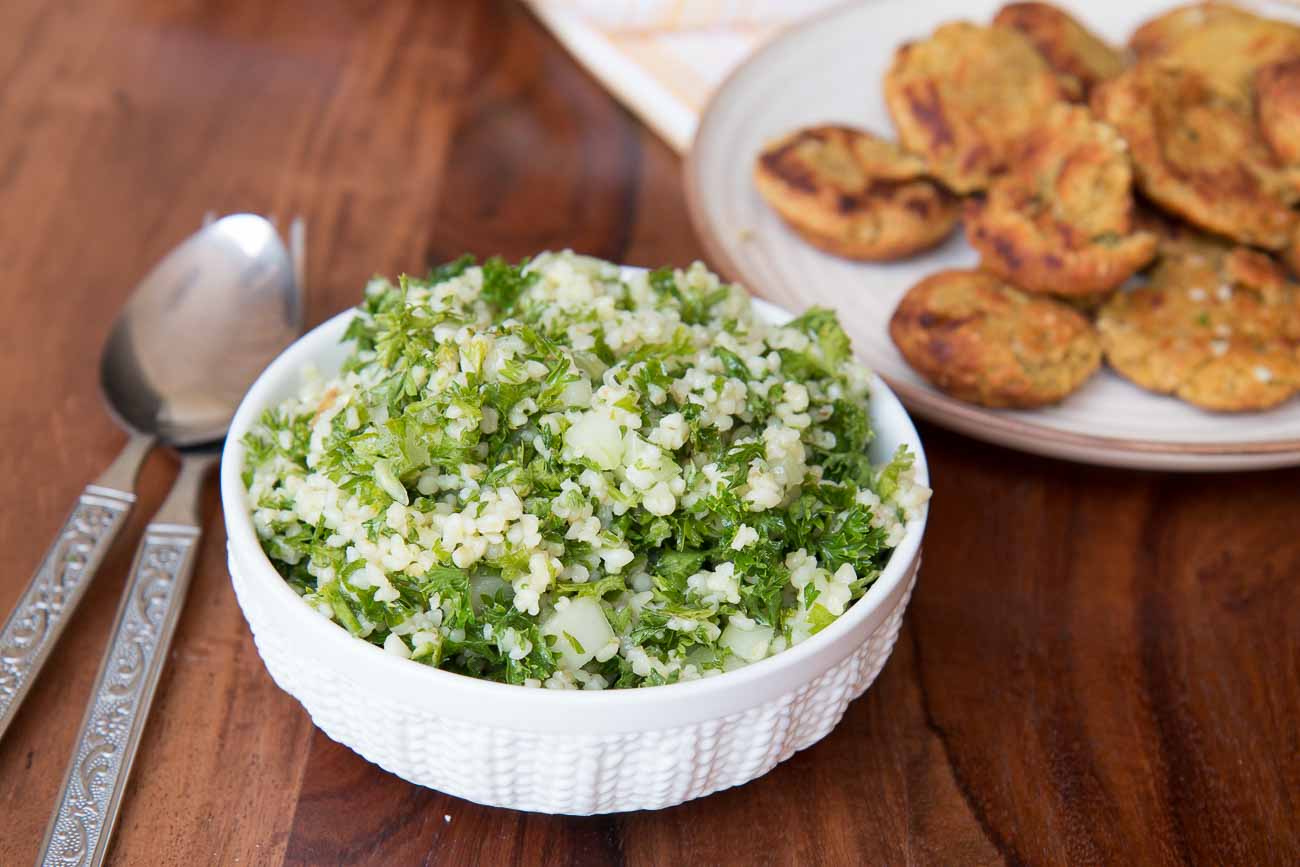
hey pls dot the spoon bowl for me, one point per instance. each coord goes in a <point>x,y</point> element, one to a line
<point>199,329</point>
<point>191,339</point>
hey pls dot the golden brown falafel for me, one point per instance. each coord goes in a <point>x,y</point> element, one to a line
<point>1277,106</point>
<point>1161,34</point>
<point>1217,326</point>
<point>964,96</point>
<point>983,341</point>
<point>1079,58</point>
<point>853,194</point>
<point>1196,152</point>
<point>1061,220</point>
<point>1228,47</point>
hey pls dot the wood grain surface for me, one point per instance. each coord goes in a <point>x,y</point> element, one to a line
<point>1097,666</point>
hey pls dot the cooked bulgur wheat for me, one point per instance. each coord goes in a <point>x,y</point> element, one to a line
<point>560,474</point>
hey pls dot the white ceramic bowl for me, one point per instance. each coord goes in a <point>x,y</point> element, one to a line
<point>546,750</point>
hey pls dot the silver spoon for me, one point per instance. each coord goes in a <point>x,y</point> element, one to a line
<point>192,339</point>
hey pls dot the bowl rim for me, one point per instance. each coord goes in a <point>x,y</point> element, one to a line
<point>244,544</point>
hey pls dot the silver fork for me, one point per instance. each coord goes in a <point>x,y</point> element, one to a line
<point>59,583</point>
<point>188,345</point>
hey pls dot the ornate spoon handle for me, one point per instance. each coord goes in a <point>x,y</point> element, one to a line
<point>33,628</point>
<point>119,705</point>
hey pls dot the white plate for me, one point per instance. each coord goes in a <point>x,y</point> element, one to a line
<point>830,69</point>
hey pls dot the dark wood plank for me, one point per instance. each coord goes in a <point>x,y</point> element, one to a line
<point>392,822</point>
<point>877,790</point>
<point>541,158</point>
<point>1110,657</point>
<point>239,106</point>
<point>1098,666</point>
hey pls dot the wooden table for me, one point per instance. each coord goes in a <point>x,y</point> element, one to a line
<point>1097,666</point>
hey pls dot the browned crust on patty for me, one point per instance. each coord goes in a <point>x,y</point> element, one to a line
<point>1060,221</point>
<point>1291,255</point>
<point>1197,152</point>
<point>1217,326</point>
<point>1079,58</point>
<point>1161,34</point>
<point>1277,105</point>
<point>983,341</point>
<point>853,194</point>
<point>1228,47</point>
<point>964,96</point>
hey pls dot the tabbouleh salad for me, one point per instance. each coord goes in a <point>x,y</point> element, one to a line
<point>558,474</point>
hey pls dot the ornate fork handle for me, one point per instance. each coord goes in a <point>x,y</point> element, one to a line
<point>59,583</point>
<point>119,705</point>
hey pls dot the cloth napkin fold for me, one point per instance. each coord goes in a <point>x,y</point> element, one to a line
<point>664,58</point>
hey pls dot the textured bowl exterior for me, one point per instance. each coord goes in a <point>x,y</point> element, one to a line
<point>554,751</point>
<point>580,772</point>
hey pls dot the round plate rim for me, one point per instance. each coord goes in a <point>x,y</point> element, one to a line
<point>933,405</point>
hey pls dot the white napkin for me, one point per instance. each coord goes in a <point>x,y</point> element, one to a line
<point>664,58</point>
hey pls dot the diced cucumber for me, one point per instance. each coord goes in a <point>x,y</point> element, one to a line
<point>580,624</point>
<point>485,585</point>
<point>597,438</point>
<point>749,644</point>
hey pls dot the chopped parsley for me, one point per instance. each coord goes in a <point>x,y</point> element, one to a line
<point>558,474</point>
